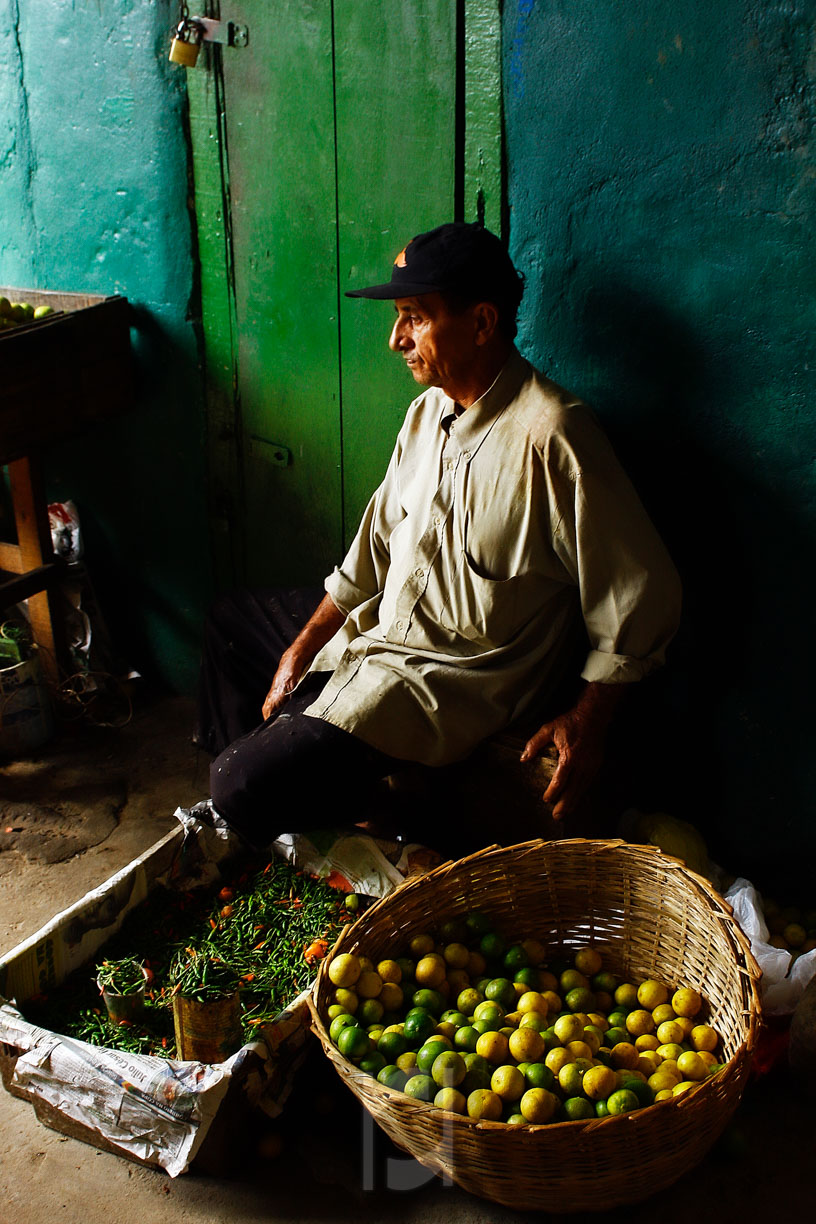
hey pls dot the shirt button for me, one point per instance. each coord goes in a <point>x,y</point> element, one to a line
<point>399,626</point>
<point>418,573</point>
<point>465,454</point>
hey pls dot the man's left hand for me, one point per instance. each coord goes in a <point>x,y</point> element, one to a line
<point>579,736</point>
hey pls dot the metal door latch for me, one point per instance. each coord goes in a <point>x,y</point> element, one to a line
<point>229,33</point>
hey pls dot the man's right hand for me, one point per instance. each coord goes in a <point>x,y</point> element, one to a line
<point>325,622</point>
<point>284,682</point>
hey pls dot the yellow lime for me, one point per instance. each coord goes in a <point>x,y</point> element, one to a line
<point>571,979</point>
<point>536,952</point>
<point>456,955</point>
<point>704,1037</point>
<point>344,969</point>
<point>647,1041</point>
<point>683,1086</point>
<point>670,1033</point>
<point>626,996</point>
<point>670,1049</point>
<point>652,994</point>
<point>531,1000</point>
<point>452,1100</point>
<point>588,961</point>
<point>431,970</point>
<point>538,1105</point>
<point>483,1103</point>
<point>389,971</point>
<point>692,1066</point>
<point>555,1059</point>
<point>662,1013</point>
<point>526,1045</point>
<point>624,1056</point>
<point>580,1049</point>
<point>639,1022</point>
<point>421,945</point>
<point>686,1002</point>
<point>369,984</point>
<point>568,1028</point>
<point>599,1083</point>
<point>508,1082</point>
<point>348,999</point>
<point>391,996</point>
<point>494,1047</point>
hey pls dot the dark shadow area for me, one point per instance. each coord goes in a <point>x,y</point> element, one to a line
<point>717,736</point>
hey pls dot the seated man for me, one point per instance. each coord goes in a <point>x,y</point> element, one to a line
<point>503,524</point>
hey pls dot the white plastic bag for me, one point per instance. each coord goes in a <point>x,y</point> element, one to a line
<point>783,978</point>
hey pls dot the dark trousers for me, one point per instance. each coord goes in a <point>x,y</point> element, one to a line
<point>291,772</point>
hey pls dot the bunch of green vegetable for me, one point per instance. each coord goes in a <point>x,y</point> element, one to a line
<point>264,932</point>
<point>125,976</point>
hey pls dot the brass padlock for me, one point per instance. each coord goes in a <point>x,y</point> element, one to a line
<point>186,43</point>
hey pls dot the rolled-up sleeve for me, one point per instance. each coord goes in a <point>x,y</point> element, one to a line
<point>629,588</point>
<point>361,576</point>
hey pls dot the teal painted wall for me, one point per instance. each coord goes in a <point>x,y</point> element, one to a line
<point>94,198</point>
<point>661,204</point>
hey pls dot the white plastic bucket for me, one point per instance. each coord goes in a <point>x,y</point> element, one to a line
<point>26,720</point>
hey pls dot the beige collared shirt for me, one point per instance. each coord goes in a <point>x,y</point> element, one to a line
<point>491,532</point>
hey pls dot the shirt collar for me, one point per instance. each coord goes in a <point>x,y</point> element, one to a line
<point>474,423</point>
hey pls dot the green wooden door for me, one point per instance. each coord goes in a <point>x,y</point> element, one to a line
<point>320,148</point>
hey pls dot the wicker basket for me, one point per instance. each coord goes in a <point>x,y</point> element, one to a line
<point>653,918</point>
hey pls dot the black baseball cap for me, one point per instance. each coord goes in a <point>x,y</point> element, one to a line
<point>461,257</point>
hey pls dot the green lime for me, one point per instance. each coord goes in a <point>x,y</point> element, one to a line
<point>516,957</point>
<point>392,1045</point>
<point>477,923</point>
<point>465,1038</point>
<point>407,969</point>
<point>492,946</point>
<point>577,1108</point>
<point>370,1011</point>
<point>346,1020</point>
<point>528,976</point>
<point>516,1119</point>
<point>392,1077</point>
<point>580,1000</point>
<point>601,1109</point>
<point>372,1063</point>
<point>501,990</point>
<point>604,981</point>
<point>353,1042</point>
<point>427,1053</point>
<point>448,1069</point>
<point>429,1000</point>
<point>421,1088</point>
<point>621,1102</point>
<point>538,1075</point>
<point>454,930</point>
<point>418,1027</point>
<point>641,1089</point>
<point>456,1018</point>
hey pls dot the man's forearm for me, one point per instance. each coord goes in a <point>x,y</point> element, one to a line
<point>318,630</point>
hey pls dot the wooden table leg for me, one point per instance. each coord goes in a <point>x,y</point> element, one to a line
<point>35,549</point>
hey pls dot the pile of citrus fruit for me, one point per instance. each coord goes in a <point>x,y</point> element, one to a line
<point>487,1028</point>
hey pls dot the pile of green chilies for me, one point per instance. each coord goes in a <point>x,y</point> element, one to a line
<point>265,931</point>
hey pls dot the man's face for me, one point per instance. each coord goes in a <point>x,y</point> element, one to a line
<point>438,347</point>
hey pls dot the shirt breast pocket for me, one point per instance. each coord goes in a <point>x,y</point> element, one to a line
<point>486,611</point>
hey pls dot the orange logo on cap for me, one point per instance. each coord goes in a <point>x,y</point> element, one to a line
<point>400,261</point>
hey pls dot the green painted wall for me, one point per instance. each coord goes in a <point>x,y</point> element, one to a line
<point>661,194</point>
<point>94,198</point>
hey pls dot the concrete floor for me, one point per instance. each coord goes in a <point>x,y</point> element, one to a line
<point>84,807</point>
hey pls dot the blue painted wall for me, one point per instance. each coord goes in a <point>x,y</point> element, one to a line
<point>94,199</point>
<point>661,193</point>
